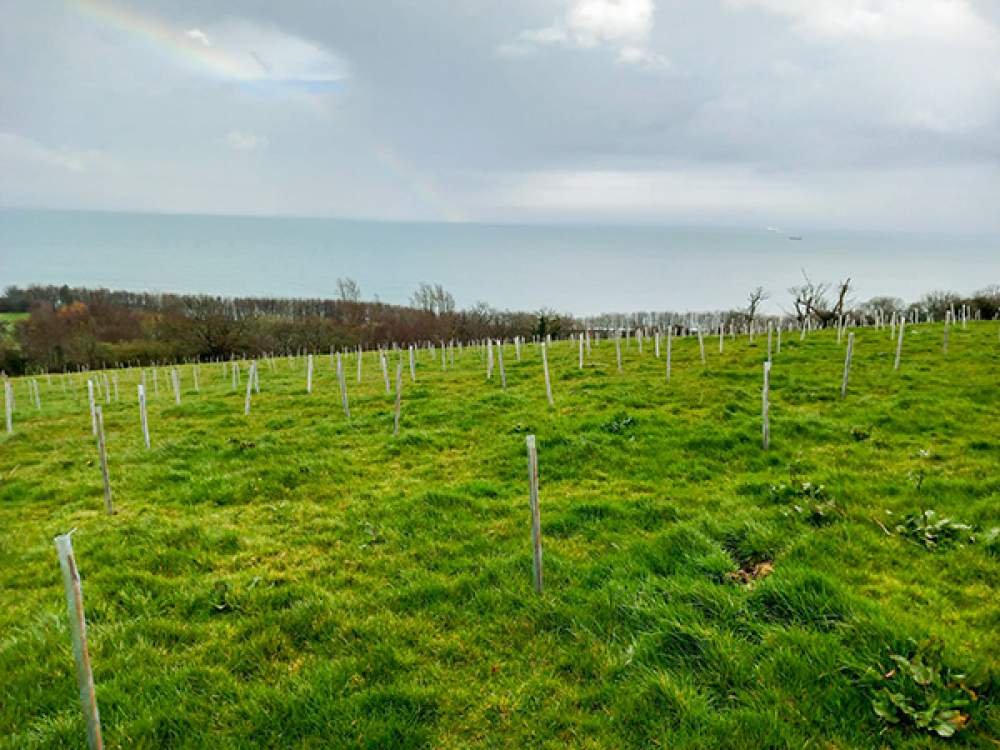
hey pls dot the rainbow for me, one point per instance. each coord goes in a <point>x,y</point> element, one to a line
<point>163,38</point>
<point>420,185</point>
<point>192,52</point>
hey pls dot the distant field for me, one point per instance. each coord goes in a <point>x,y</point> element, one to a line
<point>292,579</point>
<point>7,321</point>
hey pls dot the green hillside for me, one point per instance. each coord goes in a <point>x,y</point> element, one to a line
<point>295,579</point>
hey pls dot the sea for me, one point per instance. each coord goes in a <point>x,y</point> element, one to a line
<point>577,269</point>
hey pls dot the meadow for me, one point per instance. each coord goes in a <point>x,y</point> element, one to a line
<point>7,321</point>
<point>293,578</point>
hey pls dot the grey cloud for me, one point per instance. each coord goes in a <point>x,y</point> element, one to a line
<point>391,109</point>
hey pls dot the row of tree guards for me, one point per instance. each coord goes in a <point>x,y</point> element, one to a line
<point>63,543</point>
<point>174,374</point>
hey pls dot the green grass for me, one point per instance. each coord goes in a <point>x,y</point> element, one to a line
<point>294,580</point>
<point>7,321</point>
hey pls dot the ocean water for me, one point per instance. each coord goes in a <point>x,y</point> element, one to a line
<point>577,269</point>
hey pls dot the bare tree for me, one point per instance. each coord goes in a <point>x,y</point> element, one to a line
<point>810,300</point>
<point>807,297</point>
<point>884,306</point>
<point>756,296</point>
<point>348,290</point>
<point>433,299</point>
<point>937,302</point>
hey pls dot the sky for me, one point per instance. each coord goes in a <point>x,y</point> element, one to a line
<point>846,114</point>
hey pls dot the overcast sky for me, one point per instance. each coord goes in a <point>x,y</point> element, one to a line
<point>800,113</point>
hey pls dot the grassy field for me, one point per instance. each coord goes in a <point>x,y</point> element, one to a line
<point>7,321</point>
<point>290,579</point>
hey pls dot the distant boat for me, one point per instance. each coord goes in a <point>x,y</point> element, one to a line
<point>776,230</point>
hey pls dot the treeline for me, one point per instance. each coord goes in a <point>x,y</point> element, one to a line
<point>68,328</point>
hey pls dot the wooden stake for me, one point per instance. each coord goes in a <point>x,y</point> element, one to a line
<point>701,344</point>
<point>536,526</point>
<point>78,632</point>
<point>847,364</point>
<point>947,319</point>
<point>309,375</point>
<point>413,367</point>
<point>104,463</point>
